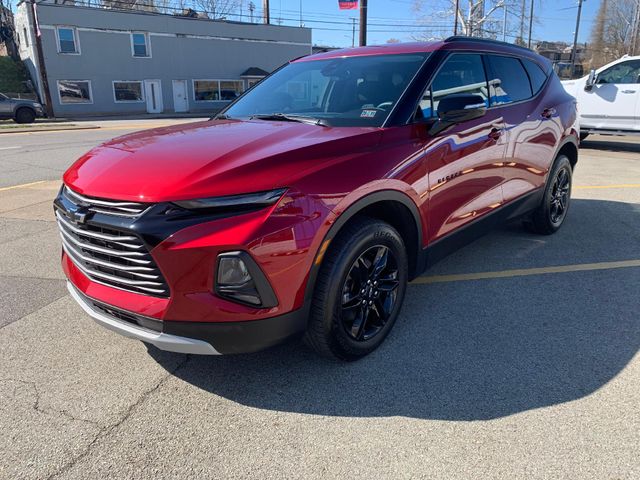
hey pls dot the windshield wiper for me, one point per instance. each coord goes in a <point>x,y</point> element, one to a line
<point>220,116</point>
<point>290,118</point>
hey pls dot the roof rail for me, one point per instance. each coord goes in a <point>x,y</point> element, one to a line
<point>463,38</point>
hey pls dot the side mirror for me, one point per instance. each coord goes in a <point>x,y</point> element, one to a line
<point>591,80</point>
<point>458,108</point>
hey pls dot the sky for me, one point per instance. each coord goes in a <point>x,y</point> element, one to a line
<point>555,19</point>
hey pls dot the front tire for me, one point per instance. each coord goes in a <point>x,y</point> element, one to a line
<point>25,115</point>
<point>549,216</point>
<point>359,291</point>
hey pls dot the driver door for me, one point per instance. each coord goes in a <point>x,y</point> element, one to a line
<point>464,162</point>
<point>612,102</point>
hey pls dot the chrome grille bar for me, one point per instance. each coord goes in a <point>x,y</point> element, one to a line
<point>108,207</point>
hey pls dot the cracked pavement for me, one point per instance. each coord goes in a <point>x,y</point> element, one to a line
<point>541,381</point>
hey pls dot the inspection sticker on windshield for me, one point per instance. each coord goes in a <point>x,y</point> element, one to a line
<point>368,113</point>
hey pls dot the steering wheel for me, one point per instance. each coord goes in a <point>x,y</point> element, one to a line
<point>383,105</point>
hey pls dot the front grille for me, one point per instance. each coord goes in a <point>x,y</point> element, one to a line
<point>110,256</point>
<point>108,207</point>
<point>148,323</point>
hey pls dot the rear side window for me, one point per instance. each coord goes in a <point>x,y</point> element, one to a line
<point>508,80</point>
<point>460,73</point>
<point>536,74</point>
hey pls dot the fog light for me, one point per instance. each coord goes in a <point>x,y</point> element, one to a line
<point>239,278</point>
<point>232,271</point>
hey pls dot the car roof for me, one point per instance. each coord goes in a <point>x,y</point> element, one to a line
<point>451,43</point>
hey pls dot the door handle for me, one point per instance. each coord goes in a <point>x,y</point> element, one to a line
<point>548,112</point>
<point>495,134</point>
<point>628,91</point>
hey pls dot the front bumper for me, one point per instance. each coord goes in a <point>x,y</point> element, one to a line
<point>200,338</point>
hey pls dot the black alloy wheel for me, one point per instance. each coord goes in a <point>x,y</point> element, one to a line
<point>559,199</point>
<point>369,293</point>
<point>551,212</point>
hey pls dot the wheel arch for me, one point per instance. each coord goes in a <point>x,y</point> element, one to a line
<point>391,206</point>
<point>568,147</point>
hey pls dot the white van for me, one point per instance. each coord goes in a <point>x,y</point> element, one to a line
<point>609,98</point>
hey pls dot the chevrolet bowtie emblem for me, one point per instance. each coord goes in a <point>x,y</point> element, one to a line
<point>79,215</point>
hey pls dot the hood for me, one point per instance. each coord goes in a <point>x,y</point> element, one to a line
<point>212,158</point>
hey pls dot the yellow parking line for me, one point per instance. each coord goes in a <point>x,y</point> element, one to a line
<point>24,185</point>
<point>623,185</point>
<point>522,272</point>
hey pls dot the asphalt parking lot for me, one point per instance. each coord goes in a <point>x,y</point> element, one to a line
<point>516,357</point>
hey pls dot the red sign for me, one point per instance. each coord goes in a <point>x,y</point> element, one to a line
<point>348,4</point>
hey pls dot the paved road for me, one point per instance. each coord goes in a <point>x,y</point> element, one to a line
<point>516,374</point>
<point>30,157</point>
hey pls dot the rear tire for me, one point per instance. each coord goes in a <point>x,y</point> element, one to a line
<point>25,115</point>
<point>359,291</point>
<point>549,216</point>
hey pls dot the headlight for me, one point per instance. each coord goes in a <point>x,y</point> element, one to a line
<point>247,201</point>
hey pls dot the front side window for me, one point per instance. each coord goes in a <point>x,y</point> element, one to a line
<point>74,91</point>
<point>67,40</point>
<point>508,80</point>
<point>460,73</point>
<point>622,73</point>
<point>346,91</point>
<point>127,91</point>
<point>140,44</point>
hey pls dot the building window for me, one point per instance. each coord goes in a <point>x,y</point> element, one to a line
<point>206,90</point>
<point>74,91</point>
<point>67,40</point>
<point>127,92</point>
<point>26,37</point>
<point>216,90</point>
<point>140,45</point>
<point>230,89</point>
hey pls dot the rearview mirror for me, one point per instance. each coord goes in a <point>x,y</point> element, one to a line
<point>591,80</point>
<point>458,108</point>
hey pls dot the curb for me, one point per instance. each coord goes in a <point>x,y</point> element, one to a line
<point>46,129</point>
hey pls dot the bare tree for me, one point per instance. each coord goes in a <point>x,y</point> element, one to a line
<point>475,17</point>
<point>218,8</point>
<point>616,31</point>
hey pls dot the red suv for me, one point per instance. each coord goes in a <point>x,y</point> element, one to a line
<point>306,206</point>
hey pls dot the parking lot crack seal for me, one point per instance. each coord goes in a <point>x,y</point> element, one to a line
<point>105,431</point>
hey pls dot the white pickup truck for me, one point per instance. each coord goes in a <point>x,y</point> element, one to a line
<point>609,98</point>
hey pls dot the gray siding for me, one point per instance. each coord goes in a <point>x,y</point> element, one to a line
<point>181,49</point>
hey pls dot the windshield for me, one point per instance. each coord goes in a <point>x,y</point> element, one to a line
<point>348,91</point>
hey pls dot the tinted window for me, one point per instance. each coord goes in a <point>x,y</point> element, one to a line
<point>461,73</point>
<point>508,81</point>
<point>343,91</point>
<point>626,72</point>
<point>536,75</point>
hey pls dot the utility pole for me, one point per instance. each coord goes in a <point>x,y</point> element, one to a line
<point>44,81</point>
<point>252,7</point>
<point>455,21</point>
<point>575,39</point>
<point>530,24</point>
<point>504,22</point>
<point>353,32</point>
<point>301,24</point>
<point>265,12</point>
<point>363,23</point>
